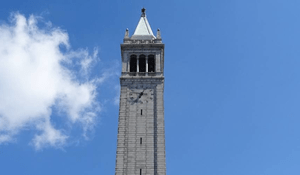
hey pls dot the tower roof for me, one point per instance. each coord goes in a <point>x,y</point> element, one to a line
<point>143,30</point>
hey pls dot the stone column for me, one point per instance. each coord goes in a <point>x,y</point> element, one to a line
<point>137,66</point>
<point>157,62</point>
<point>147,65</point>
<point>128,63</point>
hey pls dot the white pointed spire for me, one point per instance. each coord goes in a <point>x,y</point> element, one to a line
<point>143,30</point>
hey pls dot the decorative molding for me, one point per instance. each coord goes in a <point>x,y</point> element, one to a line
<point>136,41</point>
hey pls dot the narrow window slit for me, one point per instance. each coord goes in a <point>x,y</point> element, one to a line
<point>140,171</point>
<point>141,140</point>
<point>141,112</point>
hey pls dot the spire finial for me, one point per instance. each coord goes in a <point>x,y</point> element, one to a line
<point>158,36</point>
<point>143,12</point>
<point>127,33</point>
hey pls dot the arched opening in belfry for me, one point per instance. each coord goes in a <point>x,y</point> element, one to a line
<point>142,63</point>
<point>151,63</point>
<point>133,63</point>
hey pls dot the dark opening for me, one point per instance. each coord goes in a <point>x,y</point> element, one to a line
<point>141,112</point>
<point>133,63</point>
<point>151,63</point>
<point>140,171</point>
<point>141,140</point>
<point>142,63</point>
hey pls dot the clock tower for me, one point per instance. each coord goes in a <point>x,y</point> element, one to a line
<point>141,134</point>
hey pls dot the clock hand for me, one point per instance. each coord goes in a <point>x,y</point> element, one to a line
<point>141,93</point>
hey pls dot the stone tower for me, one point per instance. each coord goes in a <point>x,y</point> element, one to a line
<point>141,135</point>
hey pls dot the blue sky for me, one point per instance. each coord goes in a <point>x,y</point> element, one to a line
<point>231,85</point>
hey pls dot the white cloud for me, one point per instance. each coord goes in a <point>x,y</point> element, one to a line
<point>117,97</point>
<point>33,80</point>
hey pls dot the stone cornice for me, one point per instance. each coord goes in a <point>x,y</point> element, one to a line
<point>138,79</point>
<point>142,46</point>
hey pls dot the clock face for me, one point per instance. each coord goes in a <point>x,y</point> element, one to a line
<point>140,96</point>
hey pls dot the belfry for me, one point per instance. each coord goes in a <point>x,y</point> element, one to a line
<point>141,131</point>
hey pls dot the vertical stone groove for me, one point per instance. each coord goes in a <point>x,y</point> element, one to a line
<point>155,132</point>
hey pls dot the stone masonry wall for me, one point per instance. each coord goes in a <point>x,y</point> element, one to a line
<point>141,135</point>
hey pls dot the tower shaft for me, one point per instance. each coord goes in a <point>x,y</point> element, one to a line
<point>141,135</point>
